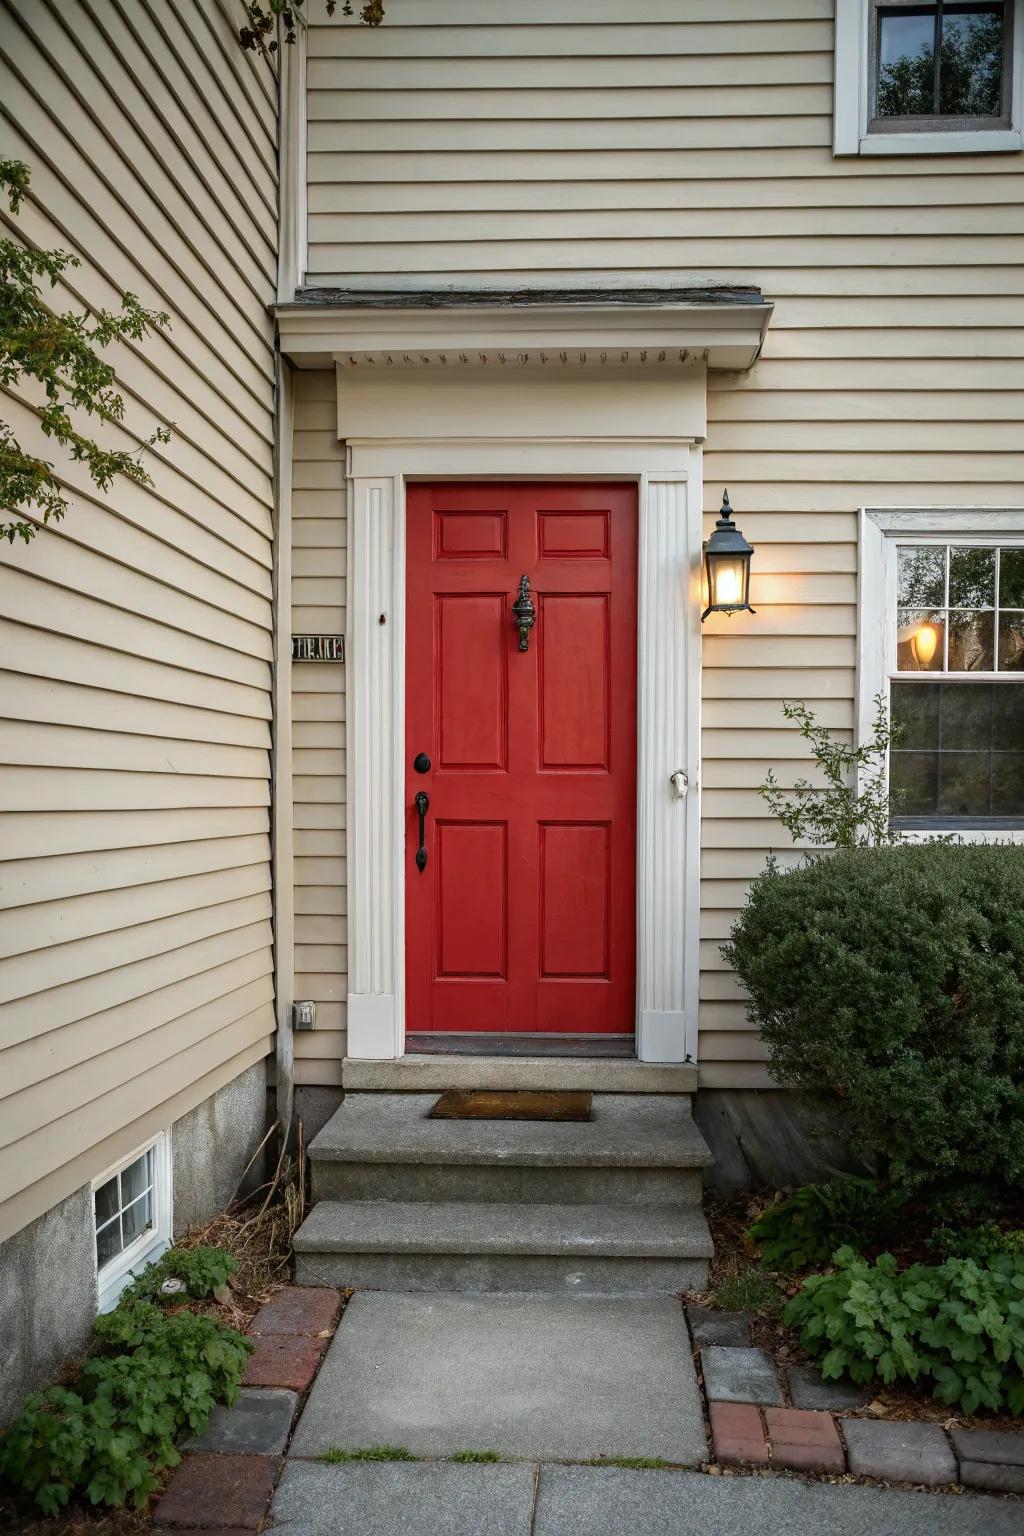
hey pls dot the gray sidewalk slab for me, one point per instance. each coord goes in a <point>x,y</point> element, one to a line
<point>544,1378</point>
<point>402,1499</point>
<point>611,1501</point>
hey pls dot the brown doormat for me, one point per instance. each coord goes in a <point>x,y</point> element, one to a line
<point>516,1104</point>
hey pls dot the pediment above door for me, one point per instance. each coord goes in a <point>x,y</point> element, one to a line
<point>644,328</point>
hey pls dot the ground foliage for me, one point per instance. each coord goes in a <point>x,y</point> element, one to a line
<point>958,1325</point>
<point>888,984</point>
<point>57,355</point>
<point>806,1227</point>
<point>154,1375</point>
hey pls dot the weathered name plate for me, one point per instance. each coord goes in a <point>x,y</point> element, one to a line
<point>318,647</point>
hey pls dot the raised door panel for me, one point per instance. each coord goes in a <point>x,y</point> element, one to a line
<point>471,681</point>
<point>575,681</point>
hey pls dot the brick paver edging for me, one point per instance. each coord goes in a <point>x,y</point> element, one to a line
<point>227,1475</point>
<point>749,1428</point>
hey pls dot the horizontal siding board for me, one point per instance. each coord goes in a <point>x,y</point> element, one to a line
<point>39,834</point>
<point>53,702</point>
<point>25,881</point>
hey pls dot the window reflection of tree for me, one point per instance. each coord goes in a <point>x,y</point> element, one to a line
<point>970,72</point>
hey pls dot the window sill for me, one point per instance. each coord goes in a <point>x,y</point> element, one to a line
<point>921,834</point>
<point>119,1273</point>
<point>971,141</point>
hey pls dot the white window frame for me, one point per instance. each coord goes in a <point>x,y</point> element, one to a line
<point>853,93</point>
<point>881,530</point>
<point>115,1275</point>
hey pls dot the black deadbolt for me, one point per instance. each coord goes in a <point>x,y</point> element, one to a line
<point>421,763</point>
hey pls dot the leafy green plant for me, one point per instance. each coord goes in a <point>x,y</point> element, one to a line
<point>60,353</point>
<point>851,808</point>
<point>888,985</point>
<point>338,1453</point>
<point>806,1227</point>
<point>959,1324</point>
<point>475,1456</point>
<point>203,1272</point>
<point>979,1243</point>
<point>749,1290</point>
<point>155,1375</point>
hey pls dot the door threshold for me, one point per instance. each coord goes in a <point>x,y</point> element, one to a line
<point>618,1047</point>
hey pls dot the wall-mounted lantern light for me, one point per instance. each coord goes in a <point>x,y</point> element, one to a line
<point>727,557</point>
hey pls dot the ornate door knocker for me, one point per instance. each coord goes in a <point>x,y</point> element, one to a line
<point>524,613</point>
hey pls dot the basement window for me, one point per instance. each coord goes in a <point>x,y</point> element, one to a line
<point>131,1216</point>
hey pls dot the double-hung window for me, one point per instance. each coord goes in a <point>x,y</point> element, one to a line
<point>942,638</point>
<point>939,78</point>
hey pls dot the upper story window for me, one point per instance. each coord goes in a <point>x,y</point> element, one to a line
<point>943,65</point>
<point>942,637</point>
<point>943,78</point>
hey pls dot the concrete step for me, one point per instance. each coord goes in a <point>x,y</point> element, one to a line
<point>553,1074</point>
<point>637,1148</point>
<point>599,1250</point>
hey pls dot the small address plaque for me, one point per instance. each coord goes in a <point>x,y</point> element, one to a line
<point>318,647</point>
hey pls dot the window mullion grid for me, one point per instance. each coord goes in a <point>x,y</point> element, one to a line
<point>945,611</point>
<point>937,61</point>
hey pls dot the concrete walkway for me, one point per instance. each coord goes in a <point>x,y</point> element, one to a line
<point>546,1383</point>
<point>547,1378</point>
<point>446,1499</point>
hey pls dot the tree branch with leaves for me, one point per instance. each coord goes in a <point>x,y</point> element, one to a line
<point>265,16</point>
<point>852,807</point>
<point>61,352</point>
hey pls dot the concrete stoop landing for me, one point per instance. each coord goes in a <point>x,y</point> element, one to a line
<point>610,1207</point>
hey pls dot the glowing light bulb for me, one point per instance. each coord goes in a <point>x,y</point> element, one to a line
<point>728,585</point>
<point>925,641</point>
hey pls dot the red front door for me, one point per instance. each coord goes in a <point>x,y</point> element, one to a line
<point>523,916</point>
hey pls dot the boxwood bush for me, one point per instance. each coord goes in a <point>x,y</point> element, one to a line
<point>889,983</point>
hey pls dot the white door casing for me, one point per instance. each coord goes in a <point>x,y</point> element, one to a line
<point>481,423</point>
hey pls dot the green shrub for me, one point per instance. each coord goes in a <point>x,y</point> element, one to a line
<point>806,1227</point>
<point>202,1270</point>
<point>958,1324</point>
<point>889,983</point>
<point>156,1375</point>
<point>979,1243</point>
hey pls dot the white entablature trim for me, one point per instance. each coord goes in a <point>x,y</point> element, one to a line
<point>723,334</point>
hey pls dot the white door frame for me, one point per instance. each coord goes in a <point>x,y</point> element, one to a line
<point>668,478</point>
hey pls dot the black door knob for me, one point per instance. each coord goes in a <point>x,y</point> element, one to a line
<point>421,763</point>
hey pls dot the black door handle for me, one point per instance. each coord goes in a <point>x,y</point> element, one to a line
<point>422,804</point>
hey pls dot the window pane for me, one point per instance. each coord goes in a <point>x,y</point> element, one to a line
<point>1008,784</point>
<point>919,640</point>
<point>972,578</point>
<point>906,62</point>
<point>1008,718</point>
<point>971,61</point>
<point>135,1179</point>
<point>137,1218</point>
<point>106,1201</point>
<point>108,1243</point>
<point>914,783</point>
<point>964,783</point>
<point>966,716</point>
<point>915,714</point>
<point>972,642</point>
<point>921,576</point>
<point>1011,578</point>
<point>1011,642</point>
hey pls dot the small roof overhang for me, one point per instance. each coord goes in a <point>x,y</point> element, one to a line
<point>639,327</point>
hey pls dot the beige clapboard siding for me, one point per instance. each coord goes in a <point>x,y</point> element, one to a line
<point>136,959</point>
<point>318,729</point>
<point>568,142</point>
